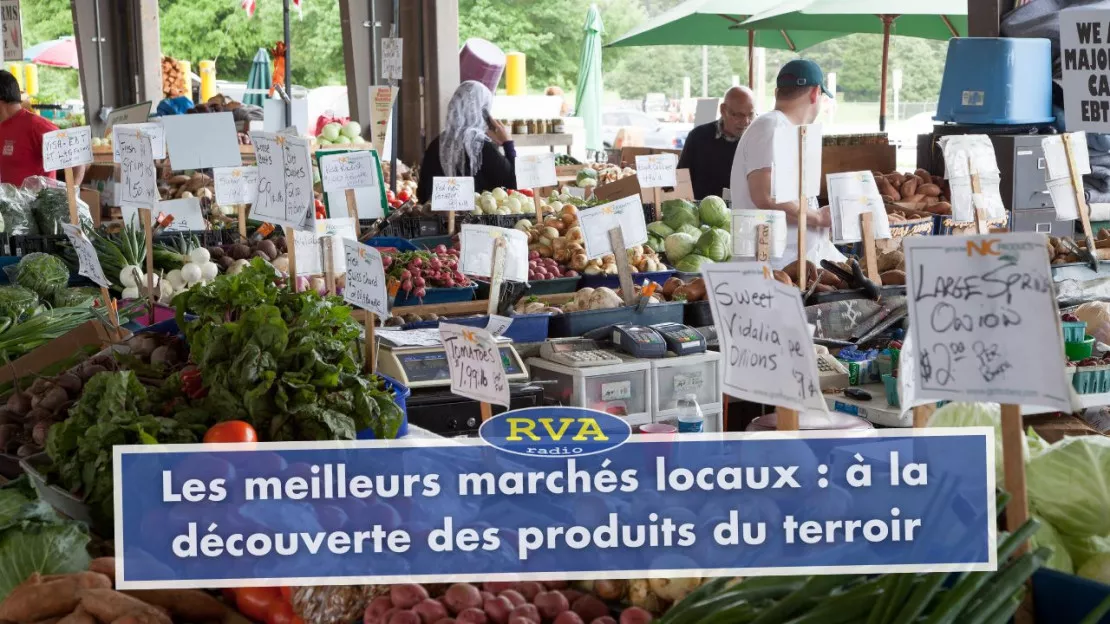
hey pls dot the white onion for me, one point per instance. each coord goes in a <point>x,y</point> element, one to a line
<point>209,270</point>
<point>127,275</point>
<point>200,255</point>
<point>191,273</point>
<point>130,293</point>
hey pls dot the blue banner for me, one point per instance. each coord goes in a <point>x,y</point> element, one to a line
<point>463,509</point>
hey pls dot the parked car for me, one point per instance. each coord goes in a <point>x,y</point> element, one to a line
<point>656,134</point>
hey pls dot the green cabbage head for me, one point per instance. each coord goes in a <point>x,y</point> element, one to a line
<point>1047,536</point>
<point>1069,484</point>
<point>660,229</point>
<point>712,210</point>
<point>679,245</point>
<point>1083,549</point>
<point>679,212</point>
<point>692,230</point>
<point>692,263</point>
<point>716,244</point>
<point>1097,568</point>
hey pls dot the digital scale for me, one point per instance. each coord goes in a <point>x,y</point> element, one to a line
<point>426,367</point>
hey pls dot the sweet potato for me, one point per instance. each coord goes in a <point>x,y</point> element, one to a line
<point>929,190</point>
<point>829,278</point>
<point>942,208</point>
<point>186,604</point>
<point>823,288</point>
<point>670,286</point>
<point>916,198</point>
<point>909,187</point>
<point>925,176</point>
<point>105,566</point>
<point>35,600</point>
<point>79,616</point>
<point>887,189</point>
<point>893,278</point>
<point>895,178</point>
<point>890,261</point>
<point>108,605</point>
<point>781,276</point>
<point>792,270</point>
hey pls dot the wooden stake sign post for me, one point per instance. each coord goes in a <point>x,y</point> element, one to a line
<point>1080,198</point>
<point>497,276</point>
<point>763,243</point>
<point>870,257</point>
<point>624,269</point>
<point>803,210</point>
<point>536,171</point>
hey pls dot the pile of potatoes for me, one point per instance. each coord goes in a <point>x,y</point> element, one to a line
<point>920,187</point>
<point>182,186</point>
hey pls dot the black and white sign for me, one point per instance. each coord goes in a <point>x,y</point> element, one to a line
<point>235,185</point>
<point>13,30</point>
<point>391,59</point>
<point>152,129</point>
<point>87,260</point>
<point>365,284</point>
<point>475,362</point>
<point>355,169</point>
<point>284,179</point>
<point>656,170</point>
<point>138,177</point>
<point>67,148</point>
<point>1085,68</point>
<point>453,194</point>
<point>626,213</point>
<point>476,251</point>
<point>535,170</point>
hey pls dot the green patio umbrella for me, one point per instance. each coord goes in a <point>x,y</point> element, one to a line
<point>258,79</point>
<point>717,22</point>
<point>587,100</point>
<point>935,19</point>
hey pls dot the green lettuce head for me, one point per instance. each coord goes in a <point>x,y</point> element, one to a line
<point>660,229</point>
<point>679,212</point>
<point>43,273</point>
<point>713,211</point>
<point>716,244</point>
<point>679,245</point>
<point>1069,484</point>
<point>692,263</point>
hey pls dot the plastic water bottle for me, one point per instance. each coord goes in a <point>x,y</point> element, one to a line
<point>690,418</point>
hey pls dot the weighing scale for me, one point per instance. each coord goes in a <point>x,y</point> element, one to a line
<point>426,367</point>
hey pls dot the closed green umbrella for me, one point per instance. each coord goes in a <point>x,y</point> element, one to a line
<point>717,22</point>
<point>587,100</point>
<point>258,80</point>
<point>935,19</point>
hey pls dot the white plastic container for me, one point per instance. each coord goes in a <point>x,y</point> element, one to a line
<point>621,389</point>
<point>672,378</point>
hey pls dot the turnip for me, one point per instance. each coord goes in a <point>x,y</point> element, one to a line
<point>127,275</point>
<point>352,130</point>
<point>192,274</point>
<point>175,279</point>
<point>199,255</point>
<point>130,292</point>
<point>209,270</point>
<point>301,283</point>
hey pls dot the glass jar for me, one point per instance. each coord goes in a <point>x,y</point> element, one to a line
<point>520,127</point>
<point>557,126</point>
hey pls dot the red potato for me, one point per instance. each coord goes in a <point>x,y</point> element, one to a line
<point>528,611</point>
<point>404,617</point>
<point>496,587</point>
<point>604,620</point>
<point>514,597</point>
<point>556,584</point>
<point>375,610</point>
<point>430,611</point>
<point>635,615</point>
<point>529,589</point>
<point>446,621</point>
<point>487,596</point>
<point>463,596</point>
<point>571,594</point>
<point>590,608</point>
<point>472,616</point>
<point>498,609</point>
<point>407,595</point>
<point>551,604</point>
<point>384,618</point>
<point>520,620</point>
<point>568,617</point>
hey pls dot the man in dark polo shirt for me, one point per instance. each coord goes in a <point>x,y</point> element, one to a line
<point>710,147</point>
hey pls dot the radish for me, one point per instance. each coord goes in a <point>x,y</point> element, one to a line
<point>209,270</point>
<point>191,273</point>
<point>418,282</point>
<point>416,262</point>
<point>441,249</point>
<point>419,293</point>
<point>406,285</point>
<point>199,255</point>
<point>405,274</point>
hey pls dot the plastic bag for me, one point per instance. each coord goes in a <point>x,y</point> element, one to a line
<point>50,206</point>
<point>15,209</point>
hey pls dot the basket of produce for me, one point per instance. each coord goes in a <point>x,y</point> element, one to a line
<point>426,277</point>
<point>693,234</point>
<point>593,308</point>
<point>949,226</point>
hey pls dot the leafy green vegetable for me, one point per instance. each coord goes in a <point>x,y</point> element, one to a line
<point>75,297</point>
<point>17,302</point>
<point>660,229</point>
<point>716,244</point>
<point>692,263</point>
<point>679,245</point>
<point>713,211</point>
<point>1097,568</point>
<point>15,210</point>
<point>42,273</point>
<point>657,245</point>
<point>1069,484</point>
<point>1082,549</point>
<point>50,209</point>
<point>33,538</point>
<point>692,230</point>
<point>1047,536</point>
<point>679,212</point>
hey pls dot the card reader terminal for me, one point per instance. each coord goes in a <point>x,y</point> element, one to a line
<point>639,341</point>
<point>681,339</point>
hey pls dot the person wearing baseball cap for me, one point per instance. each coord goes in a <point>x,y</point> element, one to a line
<point>800,87</point>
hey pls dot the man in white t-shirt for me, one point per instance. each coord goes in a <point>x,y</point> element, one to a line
<point>798,93</point>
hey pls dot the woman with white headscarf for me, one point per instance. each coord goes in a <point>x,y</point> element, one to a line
<point>468,145</point>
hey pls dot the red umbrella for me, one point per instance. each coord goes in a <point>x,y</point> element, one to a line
<point>58,53</point>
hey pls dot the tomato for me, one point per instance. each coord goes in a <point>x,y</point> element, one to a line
<point>390,196</point>
<point>287,593</point>
<point>231,431</point>
<point>281,612</point>
<point>404,195</point>
<point>256,602</point>
<point>526,192</point>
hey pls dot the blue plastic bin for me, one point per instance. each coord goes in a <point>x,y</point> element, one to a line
<point>400,244</point>
<point>435,295</point>
<point>1065,598</point>
<point>997,80</point>
<point>613,281</point>
<point>525,327</point>
<point>401,393</point>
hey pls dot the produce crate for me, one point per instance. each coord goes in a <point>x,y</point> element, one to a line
<point>430,242</point>
<point>388,242</point>
<point>525,327</point>
<point>650,215</point>
<point>64,502</point>
<point>505,221</point>
<point>538,287</point>
<point>33,243</point>
<point>944,225</point>
<point>435,295</point>
<point>401,393</point>
<point>412,226</point>
<point>613,281</point>
<point>1065,598</point>
<point>578,323</point>
<point>697,314</point>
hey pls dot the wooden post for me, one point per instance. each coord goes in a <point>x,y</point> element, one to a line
<point>496,274</point>
<point>369,359</point>
<point>329,263</point>
<point>352,209</point>
<point>624,270</point>
<point>763,243</point>
<point>146,216</point>
<point>242,221</point>
<point>291,247</point>
<point>657,197</point>
<point>1080,197</point>
<point>486,411</point>
<point>803,210</point>
<point>921,415</point>
<point>450,222</point>
<point>539,207</point>
<point>1013,462</point>
<point>71,197</point>
<point>787,419</point>
<point>870,258</point>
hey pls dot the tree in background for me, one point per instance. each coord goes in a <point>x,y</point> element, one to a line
<point>45,20</point>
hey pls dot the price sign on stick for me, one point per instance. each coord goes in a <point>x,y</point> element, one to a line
<point>656,170</point>
<point>475,362</point>
<point>235,185</point>
<point>284,179</point>
<point>392,67</point>
<point>348,170</point>
<point>88,262</point>
<point>536,170</point>
<point>983,318</point>
<point>453,194</point>
<point>794,156</point>
<point>139,178</point>
<point>310,250</point>
<point>62,149</point>
<point>764,337</point>
<point>744,232</point>
<point>626,213</point>
<point>476,251</point>
<point>850,195</point>
<point>365,285</point>
<point>154,130</point>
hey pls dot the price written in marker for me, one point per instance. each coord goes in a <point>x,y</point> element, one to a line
<point>155,131</point>
<point>983,317</point>
<point>67,148</point>
<point>88,261</point>
<point>656,170</point>
<point>139,178</point>
<point>346,171</point>
<point>235,185</point>
<point>536,170</point>
<point>475,363</point>
<point>392,67</point>
<point>365,285</point>
<point>626,213</point>
<point>762,327</point>
<point>284,179</point>
<point>453,194</point>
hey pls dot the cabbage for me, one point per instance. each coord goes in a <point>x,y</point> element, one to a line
<point>1069,483</point>
<point>1082,549</point>
<point>660,229</point>
<point>712,210</point>
<point>679,212</point>
<point>585,175</point>
<point>692,230</point>
<point>679,245</point>
<point>17,302</point>
<point>692,263</point>
<point>656,244</point>
<point>715,244</point>
<point>42,273</point>
<point>1097,569</point>
<point>1047,536</point>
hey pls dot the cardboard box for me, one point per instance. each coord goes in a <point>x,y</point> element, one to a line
<point>624,187</point>
<point>683,190</point>
<point>90,333</point>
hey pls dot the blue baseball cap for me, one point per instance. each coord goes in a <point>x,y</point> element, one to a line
<point>802,73</point>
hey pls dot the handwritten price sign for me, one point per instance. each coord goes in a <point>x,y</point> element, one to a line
<point>347,171</point>
<point>656,170</point>
<point>763,333</point>
<point>284,179</point>
<point>536,170</point>
<point>88,262</point>
<point>67,148</point>
<point>626,213</point>
<point>984,320</point>
<point>365,286</point>
<point>453,194</point>
<point>475,361</point>
<point>391,59</point>
<point>236,185</point>
<point>138,176</point>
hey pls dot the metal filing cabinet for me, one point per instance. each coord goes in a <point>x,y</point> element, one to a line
<point>1042,220</point>
<point>1022,171</point>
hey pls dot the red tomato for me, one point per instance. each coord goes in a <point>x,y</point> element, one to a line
<point>287,594</point>
<point>389,195</point>
<point>256,602</point>
<point>231,431</point>
<point>526,192</point>
<point>404,195</point>
<point>281,612</point>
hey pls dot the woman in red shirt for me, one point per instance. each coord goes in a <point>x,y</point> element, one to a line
<point>21,137</point>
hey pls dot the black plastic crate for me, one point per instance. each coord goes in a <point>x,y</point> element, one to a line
<point>207,238</point>
<point>649,213</point>
<point>414,227</point>
<point>505,221</point>
<point>37,243</point>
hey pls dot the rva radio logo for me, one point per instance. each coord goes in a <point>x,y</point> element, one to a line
<point>555,431</point>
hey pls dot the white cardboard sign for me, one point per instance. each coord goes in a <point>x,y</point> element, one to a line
<point>627,213</point>
<point>535,170</point>
<point>984,319</point>
<point>475,362</point>
<point>284,179</point>
<point>765,340</point>
<point>1058,173</point>
<point>186,213</point>
<point>139,179</point>
<point>392,67</point>
<point>850,195</point>
<point>744,222</point>
<point>310,248</point>
<point>476,251</point>
<point>354,169</point>
<point>235,185</point>
<point>13,30</point>
<point>88,262</point>
<point>1084,35</point>
<point>365,283</point>
<point>67,148</point>
<point>452,194</point>
<point>784,170</point>
<point>966,155</point>
<point>152,129</point>
<point>202,141</point>
<point>656,170</point>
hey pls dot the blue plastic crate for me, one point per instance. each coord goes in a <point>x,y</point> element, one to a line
<point>525,327</point>
<point>435,295</point>
<point>997,80</point>
<point>400,244</point>
<point>401,393</point>
<point>1065,598</point>
<point>613,281</point>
